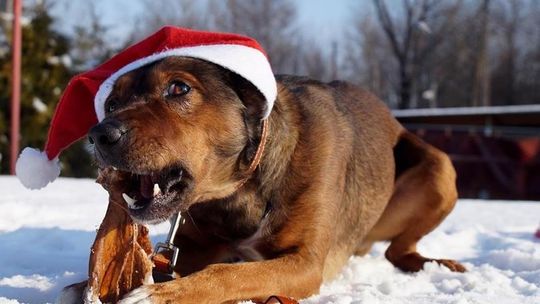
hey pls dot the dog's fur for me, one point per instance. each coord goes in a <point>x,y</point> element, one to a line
<point>338,173</point>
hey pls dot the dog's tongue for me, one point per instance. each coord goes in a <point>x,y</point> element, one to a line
<point>147,187</point>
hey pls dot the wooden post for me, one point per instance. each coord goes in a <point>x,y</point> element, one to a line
<point>15,84</point>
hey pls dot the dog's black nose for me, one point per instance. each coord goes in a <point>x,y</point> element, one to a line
<point>106,133</point>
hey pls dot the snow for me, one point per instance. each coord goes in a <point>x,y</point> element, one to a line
<point>424,27</point>
<point>39,105</point>
<point>65,60</point>
<point>45,238</point>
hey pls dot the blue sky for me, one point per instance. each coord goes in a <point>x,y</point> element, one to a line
<point>322,20</point>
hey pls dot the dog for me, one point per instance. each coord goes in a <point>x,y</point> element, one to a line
<point>337,174</point>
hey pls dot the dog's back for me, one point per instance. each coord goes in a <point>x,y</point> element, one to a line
<point>366,135</point>
<point>389,173</point>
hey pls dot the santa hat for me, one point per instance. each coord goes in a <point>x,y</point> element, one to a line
<point>82,104</point>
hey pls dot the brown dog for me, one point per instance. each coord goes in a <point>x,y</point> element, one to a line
<point>338,173</point>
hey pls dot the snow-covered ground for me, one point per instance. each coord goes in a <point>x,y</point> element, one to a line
<point>45,238</point>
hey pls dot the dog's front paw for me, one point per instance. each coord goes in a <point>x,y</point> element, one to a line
<point>174,291</point>
<point>141,295</point>
<point>169,292</point>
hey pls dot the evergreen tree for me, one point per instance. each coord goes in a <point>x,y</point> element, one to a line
<point>46,70</point>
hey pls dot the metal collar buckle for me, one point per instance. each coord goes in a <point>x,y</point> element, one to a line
<point>165,254</point>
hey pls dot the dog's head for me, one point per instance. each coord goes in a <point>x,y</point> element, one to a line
<point>178,131</point>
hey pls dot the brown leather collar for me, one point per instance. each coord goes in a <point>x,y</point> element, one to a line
<point>258,154</point>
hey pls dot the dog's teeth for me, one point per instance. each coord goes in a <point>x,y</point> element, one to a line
<point>114,168</point>
<point>157,190</point>
<point>129,201</point>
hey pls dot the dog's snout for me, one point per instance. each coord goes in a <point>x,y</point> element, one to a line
<point>106,133</point>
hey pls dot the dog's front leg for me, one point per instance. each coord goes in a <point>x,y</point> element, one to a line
<point>293,275</point>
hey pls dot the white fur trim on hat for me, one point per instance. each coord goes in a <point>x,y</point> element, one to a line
<point>35,170</point>
<point>245,61</point>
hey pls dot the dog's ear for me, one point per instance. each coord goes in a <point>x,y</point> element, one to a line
<point>253,100</point>
<point>255,106</point>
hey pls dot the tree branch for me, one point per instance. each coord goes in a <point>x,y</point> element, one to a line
<point>388,27</point>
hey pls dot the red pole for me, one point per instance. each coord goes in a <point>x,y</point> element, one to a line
<point>15,84</point>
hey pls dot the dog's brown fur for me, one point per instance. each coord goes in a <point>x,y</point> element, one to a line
<point>338,173</point>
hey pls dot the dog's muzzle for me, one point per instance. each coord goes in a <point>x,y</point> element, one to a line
<point>107,134</point>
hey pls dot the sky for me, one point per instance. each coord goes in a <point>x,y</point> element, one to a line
<point>323,20</point>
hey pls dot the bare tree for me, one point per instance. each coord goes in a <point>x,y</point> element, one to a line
<point>511,53</point>
<point>481,95</point>
<point>527,80</point>
<point>412,37</point>
<point>89,45</point>
<point>401,46</point>
<point>368,59</point>
<point>508,20</point>
<point>315,63</point>
<point>183,13</point>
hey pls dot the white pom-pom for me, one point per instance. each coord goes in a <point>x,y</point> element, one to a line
<point>35,170</point>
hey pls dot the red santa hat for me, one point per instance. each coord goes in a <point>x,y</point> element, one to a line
<point>82,104</point>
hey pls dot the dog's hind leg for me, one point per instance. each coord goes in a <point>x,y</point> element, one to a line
<point>425,193</point>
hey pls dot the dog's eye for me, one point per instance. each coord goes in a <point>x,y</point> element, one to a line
<point>177,88</point>
<point>111,106</point>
